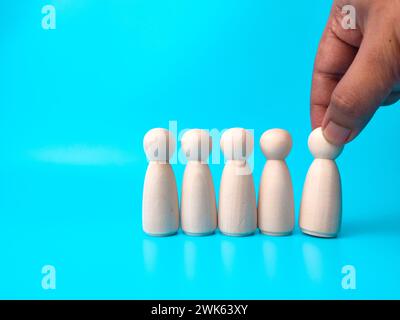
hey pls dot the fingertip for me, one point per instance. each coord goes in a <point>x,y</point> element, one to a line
<point>391,99</point>
<point>315,124</point>
<point>336,134</point>
<point>317,116</point>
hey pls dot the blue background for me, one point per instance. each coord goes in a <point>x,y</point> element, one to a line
<point>75,103</point>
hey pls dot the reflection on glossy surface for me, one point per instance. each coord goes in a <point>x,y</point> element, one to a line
<point>313,261</point>
<point>228,252</point>
<point>190,252</point>
<point>150,255</point>
<point>81,155</point>
<point>270,257</point>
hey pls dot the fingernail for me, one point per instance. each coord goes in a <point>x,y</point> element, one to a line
<point>336,134</point>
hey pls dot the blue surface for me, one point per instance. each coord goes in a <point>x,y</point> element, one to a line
<point>75,103</point>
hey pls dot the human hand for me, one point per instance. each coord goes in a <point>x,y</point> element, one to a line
<point>356,70</point>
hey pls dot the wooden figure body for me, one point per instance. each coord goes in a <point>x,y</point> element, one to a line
<point>321,204</point>
<point>275,198</point>
<point>198,206</point>
<point>237,214</point>
<point>160,211</point>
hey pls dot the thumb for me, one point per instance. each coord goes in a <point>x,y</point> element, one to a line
<point>360,92</point>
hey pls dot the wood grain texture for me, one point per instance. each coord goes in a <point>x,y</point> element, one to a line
<point>237,198</point>
<point>275,197</point>
<point>160,209</point>
<point>321,204</point>
<point>160,200</point>
<point>198,205</point>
